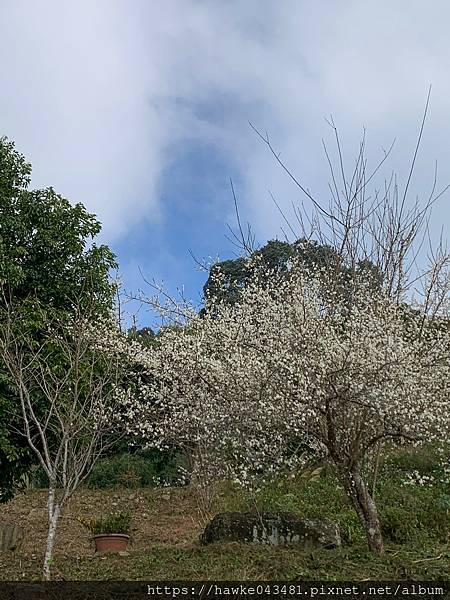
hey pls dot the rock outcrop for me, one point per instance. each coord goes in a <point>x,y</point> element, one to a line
<point>276,529</point>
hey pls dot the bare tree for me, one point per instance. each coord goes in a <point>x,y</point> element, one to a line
<point>68,397</point>
<point>369,224</point>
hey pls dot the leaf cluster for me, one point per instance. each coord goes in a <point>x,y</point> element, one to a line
<point>113,523</point>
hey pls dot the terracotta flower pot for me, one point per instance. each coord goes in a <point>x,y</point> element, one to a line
<point>111,542</point>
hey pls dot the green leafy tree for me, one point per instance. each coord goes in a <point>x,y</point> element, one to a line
<point>48,260</point>
<point>228,278</point>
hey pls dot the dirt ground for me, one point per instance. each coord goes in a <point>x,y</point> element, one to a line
<point>165,546</point>
<point>159,517</point>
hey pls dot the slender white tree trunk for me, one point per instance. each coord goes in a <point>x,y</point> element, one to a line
<point>54,511</point>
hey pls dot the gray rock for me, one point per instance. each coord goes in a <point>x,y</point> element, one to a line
<point>275,529</point>
<point>10,536</point>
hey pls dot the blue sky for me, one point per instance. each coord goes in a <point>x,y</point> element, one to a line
<point>140,110</point>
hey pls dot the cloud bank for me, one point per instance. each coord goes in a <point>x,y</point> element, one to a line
<point>102,95</point>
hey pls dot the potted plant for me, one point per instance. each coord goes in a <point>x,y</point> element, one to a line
<point>111,533</point>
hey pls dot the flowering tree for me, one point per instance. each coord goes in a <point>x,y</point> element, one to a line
<point>338,366</point>
<point>69,400</point>
<point>344,356</point>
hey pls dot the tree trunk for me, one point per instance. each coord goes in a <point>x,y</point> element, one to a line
<point>365,507</point>
<point>54,511</point>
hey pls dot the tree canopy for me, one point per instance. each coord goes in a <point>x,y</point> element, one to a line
<point>48,258</point>
<point>228,278</point>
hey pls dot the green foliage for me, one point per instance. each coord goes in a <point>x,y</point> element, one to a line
<point>426,460</point>
<point>48,264</point>
<point>396,526</point>
<point>412,512</point>
<point>236,273</point>
<point>113,523</point>
<point>275,259</point>
<point>45,242</point>
<point>145,336</point>
<point>316,497</point>
<point>408,514</point>
<point>142,469</point>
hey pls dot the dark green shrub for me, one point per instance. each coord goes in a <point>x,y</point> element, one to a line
<point>427,460</point>
<point>398,525</point>
<point>125,469</point>
<point>35,479</point>
<point>141,469</point>
<point>411,512</point>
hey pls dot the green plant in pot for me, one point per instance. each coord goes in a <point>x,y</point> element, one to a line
<point>111,533</point>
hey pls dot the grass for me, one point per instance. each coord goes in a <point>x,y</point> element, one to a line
<point>166,526</point>
<point>242,562</point>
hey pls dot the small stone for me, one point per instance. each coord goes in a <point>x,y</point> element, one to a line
<point>124,553</point>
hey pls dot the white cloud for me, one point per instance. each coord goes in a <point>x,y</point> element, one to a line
<point>98,94</point>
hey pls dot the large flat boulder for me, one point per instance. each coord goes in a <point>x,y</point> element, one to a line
<point>10,536</point>
<point>275,529</point>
